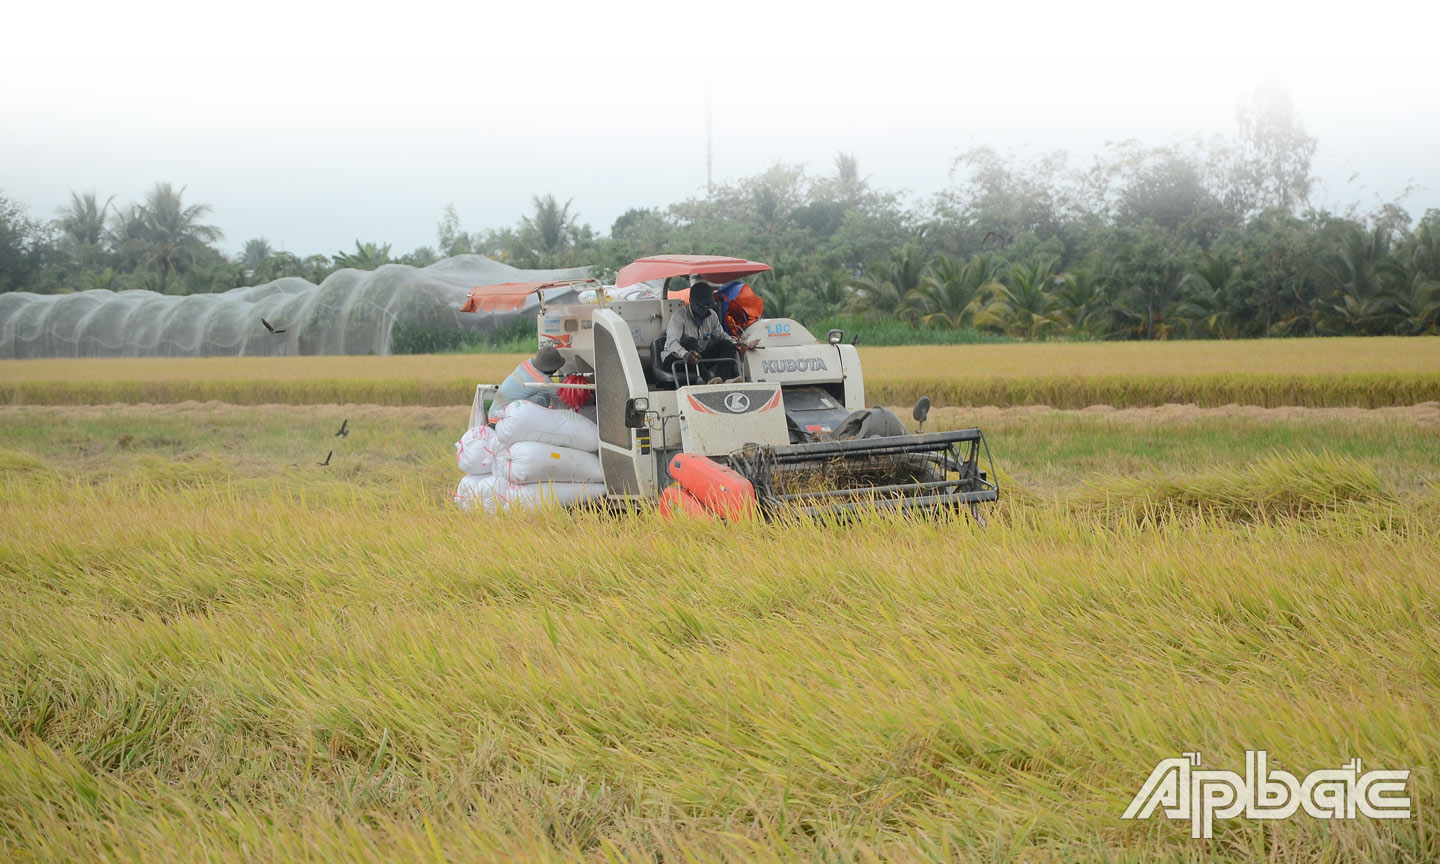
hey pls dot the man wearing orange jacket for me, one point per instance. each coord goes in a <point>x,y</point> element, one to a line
<point>739,305</point>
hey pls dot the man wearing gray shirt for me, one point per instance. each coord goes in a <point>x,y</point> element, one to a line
<point>695,334</point>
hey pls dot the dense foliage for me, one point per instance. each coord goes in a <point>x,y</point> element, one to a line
<point>1202,239</point>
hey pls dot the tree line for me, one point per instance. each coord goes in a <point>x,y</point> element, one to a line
<point>1216,238</point>
<point>158,244</point>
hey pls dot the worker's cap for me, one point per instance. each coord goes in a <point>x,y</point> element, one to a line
<point>547,359</point>
<point>696,277</point>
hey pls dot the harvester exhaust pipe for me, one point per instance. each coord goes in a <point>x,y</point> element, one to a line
<point>922,410</point>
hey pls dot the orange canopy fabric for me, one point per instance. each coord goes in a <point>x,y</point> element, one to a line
<point>508,296</point>
<point>716,268</point>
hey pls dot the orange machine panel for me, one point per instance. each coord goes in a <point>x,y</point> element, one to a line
<point>676,500</point>
<point>719,488</point>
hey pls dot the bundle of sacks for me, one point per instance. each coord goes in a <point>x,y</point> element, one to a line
<point>528,456</point>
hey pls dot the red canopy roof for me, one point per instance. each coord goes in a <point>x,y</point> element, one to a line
<point>718,267</point>
<point>509,296</point>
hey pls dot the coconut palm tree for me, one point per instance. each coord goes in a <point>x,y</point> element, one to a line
<point>1419,309</point>
<point>82,227</point>
<point>548,230</point>
<point>878,297</point>
<point>954,293</point>
<point>173,232</point>
<point>889,292</point>
<point>1362,279</point>
<point>1209,297</point>
<point>106,279</point>
<point>126,237</point>
<point>833,295</point>
<point>257,250</point>
<point>779,296</point>
<point>211,277</point>
<point>1082,303</point>
<point>1027,304</point>
<point>1419,299</point>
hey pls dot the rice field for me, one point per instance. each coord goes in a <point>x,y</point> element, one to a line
<point>1362,372</point>
<point>214,649</point>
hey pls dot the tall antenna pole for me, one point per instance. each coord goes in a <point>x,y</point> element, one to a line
<point>709,150</point>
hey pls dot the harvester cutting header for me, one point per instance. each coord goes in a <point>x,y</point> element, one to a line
<point>716,416</point>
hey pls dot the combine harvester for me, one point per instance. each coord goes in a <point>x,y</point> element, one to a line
<point>775,437</point>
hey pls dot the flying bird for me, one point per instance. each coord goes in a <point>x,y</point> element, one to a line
<point>271,327</point>
<point>343,433</point>
<point>327,459</point>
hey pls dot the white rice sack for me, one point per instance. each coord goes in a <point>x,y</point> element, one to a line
<point>531,496</point>
<point>533,462</point>
<point>640,291</point>
<point>497,410</point>
<point>473,452</point>
<point>526,421</point>
<point>484,491</point>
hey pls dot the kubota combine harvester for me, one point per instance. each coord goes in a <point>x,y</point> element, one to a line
<point>773,437</point>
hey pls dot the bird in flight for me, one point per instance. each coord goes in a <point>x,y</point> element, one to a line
<point>327,459</point>
<point>343,433</point>
<point>271,327</point>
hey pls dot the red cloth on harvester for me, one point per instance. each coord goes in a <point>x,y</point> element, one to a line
<point>575,397</point>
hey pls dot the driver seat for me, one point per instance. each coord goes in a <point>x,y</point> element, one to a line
<point>664,374</point>
<point>665,371</point>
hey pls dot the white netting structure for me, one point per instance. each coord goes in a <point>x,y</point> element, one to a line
<point>351,312</point>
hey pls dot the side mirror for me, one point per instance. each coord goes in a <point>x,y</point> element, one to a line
<point>835,337</point>
<point>922,410</point>
<point>635,410</point>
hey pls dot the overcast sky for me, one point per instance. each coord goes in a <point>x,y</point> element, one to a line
<point>318,126</point>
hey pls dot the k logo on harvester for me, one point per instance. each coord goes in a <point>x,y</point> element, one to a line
<point>749,401</point>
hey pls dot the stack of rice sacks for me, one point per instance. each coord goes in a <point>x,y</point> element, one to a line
<point>531,455</point>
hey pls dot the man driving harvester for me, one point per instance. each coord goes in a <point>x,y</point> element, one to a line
<point>696,337</point>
